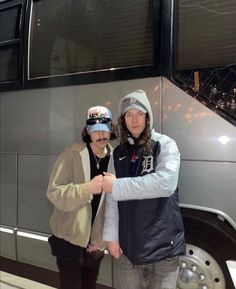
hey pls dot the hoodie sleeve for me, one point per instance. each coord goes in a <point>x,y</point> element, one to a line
<point>63,192</point>
<point>161,183</point>
<point>111,223</point>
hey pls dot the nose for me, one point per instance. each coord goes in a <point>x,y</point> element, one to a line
<point>101,133</point>
<point>134,119</point>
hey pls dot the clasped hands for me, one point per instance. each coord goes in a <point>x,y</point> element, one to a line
<point>101,183</point>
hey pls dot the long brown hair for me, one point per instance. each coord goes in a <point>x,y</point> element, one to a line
<point>123,133</point>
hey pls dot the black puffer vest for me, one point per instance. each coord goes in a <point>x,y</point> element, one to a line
<point>149,229</point>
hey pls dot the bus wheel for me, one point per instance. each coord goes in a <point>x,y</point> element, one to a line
<point>198,269</point>
<point>210,243</point>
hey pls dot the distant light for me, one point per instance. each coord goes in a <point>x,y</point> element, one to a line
<point>224,139</point>
<point>6,230</point>
<point>32,236</point>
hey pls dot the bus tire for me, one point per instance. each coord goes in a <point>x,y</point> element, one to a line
<point>210,243</point>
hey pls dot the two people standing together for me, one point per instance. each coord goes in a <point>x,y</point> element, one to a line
<point>132,209</point>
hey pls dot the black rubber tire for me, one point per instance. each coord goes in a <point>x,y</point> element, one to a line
<point>217,238</point>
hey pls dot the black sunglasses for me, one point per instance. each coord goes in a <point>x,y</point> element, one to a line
<point>92,121</point>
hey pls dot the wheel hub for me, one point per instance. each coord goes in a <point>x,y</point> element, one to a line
<point>199,270</point>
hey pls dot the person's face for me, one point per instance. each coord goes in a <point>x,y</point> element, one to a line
<point>135,121</point>
<point>100,138</point>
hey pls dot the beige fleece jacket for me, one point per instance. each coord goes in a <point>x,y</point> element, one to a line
<point>68,191</point>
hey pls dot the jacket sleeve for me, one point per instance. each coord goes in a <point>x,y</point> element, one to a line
<point>63,192</point>
<point>161,183</point>
<point>111,223</point>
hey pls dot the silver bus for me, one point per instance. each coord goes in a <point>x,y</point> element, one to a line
<point>58,57</point>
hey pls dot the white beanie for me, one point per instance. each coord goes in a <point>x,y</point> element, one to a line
<point>136,100</point>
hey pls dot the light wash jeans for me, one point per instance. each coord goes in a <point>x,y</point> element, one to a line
<point>160,275</point>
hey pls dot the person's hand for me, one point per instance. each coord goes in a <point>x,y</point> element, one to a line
<point>95,185</point>
<point>114,249</point>
<point>107,182</point>
<point>92,247</point>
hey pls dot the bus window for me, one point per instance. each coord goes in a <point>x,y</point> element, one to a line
<point>68,37</point>
<point>9,29</point>
<point>9,63</point>
<point>9,41</point>
<point>205,53</point>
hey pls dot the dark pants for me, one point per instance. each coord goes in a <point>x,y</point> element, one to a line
<point>77,275</point>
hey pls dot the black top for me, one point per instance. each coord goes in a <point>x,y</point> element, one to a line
<point>94,171</point>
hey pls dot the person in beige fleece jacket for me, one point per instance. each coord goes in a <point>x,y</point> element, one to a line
<point>75,190</point>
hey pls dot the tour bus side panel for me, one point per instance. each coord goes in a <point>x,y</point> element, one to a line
<point>207,176</point>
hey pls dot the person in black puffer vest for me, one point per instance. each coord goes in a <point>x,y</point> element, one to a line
<point>143,223</point>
